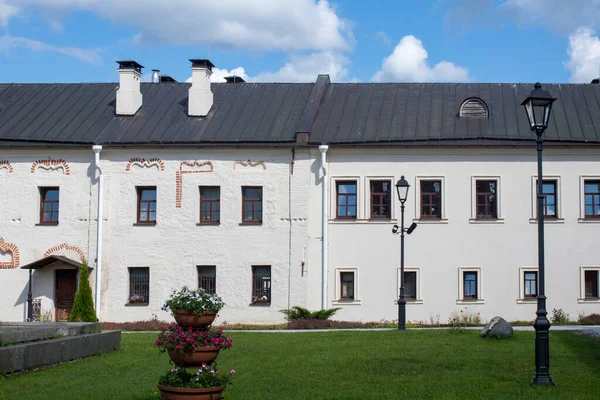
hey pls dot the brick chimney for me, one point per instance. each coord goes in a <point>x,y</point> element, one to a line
<point>129,97</point>
<point>200,97</point>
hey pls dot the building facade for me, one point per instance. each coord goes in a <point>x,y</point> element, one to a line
<point>276,195</point>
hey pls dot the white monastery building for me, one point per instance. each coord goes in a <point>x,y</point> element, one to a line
<point>282,194</point>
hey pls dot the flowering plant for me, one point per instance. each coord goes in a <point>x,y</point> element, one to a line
<point>464,318</point>
<point>206,377</point>
<point>136,298</point>
<point>260,300</point>
<point>195,301</point>
<point>185,340</point>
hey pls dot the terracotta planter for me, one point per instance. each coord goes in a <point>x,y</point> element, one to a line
<point>203,355</point>
<point>187,319</point>
<point>171,393</point>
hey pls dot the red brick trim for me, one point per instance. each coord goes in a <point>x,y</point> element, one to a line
<point>6,164</point>
<point>250,163</point>
<point>14,252</point>
<point>142,162</point>
<point>179,176</point>
<point>65,247</point>
<point>51,164</point>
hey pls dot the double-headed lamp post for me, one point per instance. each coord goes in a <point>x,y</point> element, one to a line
<point>538,107</point>
<point>402,187</point>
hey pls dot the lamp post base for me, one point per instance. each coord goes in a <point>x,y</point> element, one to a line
<point>542,346</point>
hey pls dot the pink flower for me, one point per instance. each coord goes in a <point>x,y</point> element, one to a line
<point>177,346</point>
<point>232,371</point>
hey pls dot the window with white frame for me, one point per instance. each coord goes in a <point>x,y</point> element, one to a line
<point>590,284</point>
<point>346,286</point>
<point>552,202</point>
<point>469,285</point>
<point>412,284</point>
<point>589,198</point>
<point>486,199</point>
<point>528,284</point>
<point>430,193</point>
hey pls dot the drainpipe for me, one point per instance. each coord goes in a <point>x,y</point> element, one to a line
<point>97,149</point>
<point>323,149</point>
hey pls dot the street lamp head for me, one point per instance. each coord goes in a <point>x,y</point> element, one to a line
<point>402,186</point>
<point>538,107</point>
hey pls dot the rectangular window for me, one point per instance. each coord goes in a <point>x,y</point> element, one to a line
<point>139,282</point>
<point>592,198</point>
<point>346,199</point>
<point>49,205</point>
<point>486,199</point>
<point>347,285</point>
<point>261,284</point>
<point>146,210</point>
<point>380,199</point>
<point>210,204</point>
<point>410,285</point>
<point>530,283</point>
<point>550,202</point>
<point>591,284</point>
<point>431,199</point>
<point>207,278</point>
<point>469,285</point>
<point>252,204</point>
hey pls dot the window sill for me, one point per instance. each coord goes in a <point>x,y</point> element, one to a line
<point>470,301</point>
<point>585,300</point>
<point>47,224</point>
<point>144,224</point>
<point>548,220</point>
<point>410,301</point>
<point>486,221</point>
<point>260,304</point>
<point>217,223</point>
<point>251,223</point>
<point>528,300</point>
<point>340,302</point>
<point>588,220</point>
<point>431,220</point>
<point>362,221</point>
<point>136,304</point>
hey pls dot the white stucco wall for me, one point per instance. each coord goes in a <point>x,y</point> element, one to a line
<point>439,249</point>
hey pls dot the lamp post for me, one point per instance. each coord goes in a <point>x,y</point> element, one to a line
<point>538,107</point>
<point>402,187</point>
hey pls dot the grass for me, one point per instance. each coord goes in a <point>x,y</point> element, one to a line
<point>431,364</point>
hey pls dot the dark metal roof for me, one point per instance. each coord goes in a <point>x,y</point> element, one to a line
<point>428,113</point>
<point>265,114</point>
<point>44,262</point>
<point>85,113</point>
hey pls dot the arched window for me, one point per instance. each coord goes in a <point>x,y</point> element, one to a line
<point>473,108</point>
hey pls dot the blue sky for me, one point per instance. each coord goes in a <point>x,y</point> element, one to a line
<point>294,40</point>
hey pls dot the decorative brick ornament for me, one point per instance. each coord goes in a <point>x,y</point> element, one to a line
<point>250,163</point>
<point>14,252</point>
<point>5,164</point>
<point>179,176</point>
<point>63,248</point>
<point>51,165</point>
<point>142,162</point>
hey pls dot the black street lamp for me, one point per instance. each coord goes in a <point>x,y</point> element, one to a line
<point>538,107</point>
<point>402,187</point>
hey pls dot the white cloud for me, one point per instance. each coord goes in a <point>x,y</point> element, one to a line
<point>408,63</point>
<point>8,42</point>
<point>561,15</point>
<point>219,74</point>
<point>289,25</point>
<point>584,56</point>
<point>305,68</point>
<point>56,26</point>
<point>6,12</point>
<point>381,35</point>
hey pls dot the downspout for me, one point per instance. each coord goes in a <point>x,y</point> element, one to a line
<point>323,149</point>
<point>97,149</point>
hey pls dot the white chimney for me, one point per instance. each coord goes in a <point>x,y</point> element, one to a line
<point>129,97</point>
<point>200,98</point>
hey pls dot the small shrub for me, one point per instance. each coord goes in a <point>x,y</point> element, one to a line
<point>521,323</point>
<point>559,317</point>
<point>83,305</point>
<point>459,320</point>
<point>206,376</point>
<point>434,319</point>
<point>298,312</point>
<point>195,301</point>
<point>592,319</point>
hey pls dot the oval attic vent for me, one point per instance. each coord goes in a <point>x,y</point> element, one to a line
<point>473,108</point>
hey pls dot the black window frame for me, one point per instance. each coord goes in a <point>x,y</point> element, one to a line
<point>207,278</point>
<point>260,275</point>
<point>346,197</point>
<point>410,285</point>
<point>489,205</point>
<point>474,284</point>
<point>591,278</point>
<point>144,274</point>
<point>54,205</point>
<point>595,199</point>
<point>527,284</point>
<point>344,284</point>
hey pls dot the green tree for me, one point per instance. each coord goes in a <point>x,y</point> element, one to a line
<point>83,306</point>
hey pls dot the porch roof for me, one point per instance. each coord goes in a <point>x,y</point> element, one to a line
<point>44,262</point>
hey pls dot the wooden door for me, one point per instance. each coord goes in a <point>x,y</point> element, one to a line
<point>66,286</point>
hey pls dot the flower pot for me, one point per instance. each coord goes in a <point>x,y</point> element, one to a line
<point>187,319</point>
<point>171,393</point>
<point>203,355</point>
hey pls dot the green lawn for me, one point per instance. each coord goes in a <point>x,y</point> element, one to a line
<point>430,364</point>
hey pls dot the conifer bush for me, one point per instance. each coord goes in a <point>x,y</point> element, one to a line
<point>83,306</point>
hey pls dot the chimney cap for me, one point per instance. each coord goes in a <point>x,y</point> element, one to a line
<point>234,79</point>
<point>202,63</point>
<point>130,64</point>
<point>595,81</point>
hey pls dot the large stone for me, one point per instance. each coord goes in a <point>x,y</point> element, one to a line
<point>498,327</point>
